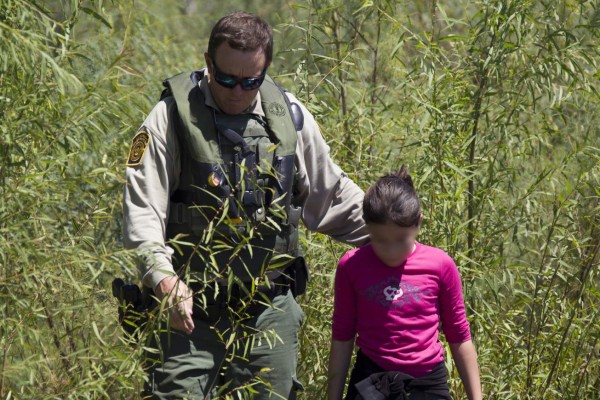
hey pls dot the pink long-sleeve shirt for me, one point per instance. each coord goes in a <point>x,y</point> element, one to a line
<point>396,312</point>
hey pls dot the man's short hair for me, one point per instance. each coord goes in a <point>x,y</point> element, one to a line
<point>242,31</point>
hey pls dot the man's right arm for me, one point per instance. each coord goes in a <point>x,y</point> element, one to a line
<point>146,197</point>
<point>148,187</point>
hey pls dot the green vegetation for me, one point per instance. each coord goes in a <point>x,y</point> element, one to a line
<point>494,104</point>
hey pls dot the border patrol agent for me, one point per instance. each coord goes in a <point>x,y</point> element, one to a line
<point>218,177</point>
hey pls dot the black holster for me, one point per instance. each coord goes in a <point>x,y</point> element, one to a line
<point>134,305</point>
<point>299,276</point>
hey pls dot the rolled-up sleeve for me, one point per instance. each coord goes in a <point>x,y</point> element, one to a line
<point>146,197</point>
<point>332,202</point>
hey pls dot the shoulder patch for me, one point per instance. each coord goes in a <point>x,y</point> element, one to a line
<point>276,109</point>
<point>139,144</point>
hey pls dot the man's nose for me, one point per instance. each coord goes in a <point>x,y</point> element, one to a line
<point>237,90</point>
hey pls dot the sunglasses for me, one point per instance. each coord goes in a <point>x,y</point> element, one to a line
<point>230,82</point>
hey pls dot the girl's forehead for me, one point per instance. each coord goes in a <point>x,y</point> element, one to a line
<point>391,230</point>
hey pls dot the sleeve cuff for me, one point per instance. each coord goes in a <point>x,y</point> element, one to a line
<point>154,277</point>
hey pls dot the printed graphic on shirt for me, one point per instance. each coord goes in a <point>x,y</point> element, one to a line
<point>392,293</point>
<point>139,144</point>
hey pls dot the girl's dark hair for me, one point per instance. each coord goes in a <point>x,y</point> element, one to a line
<point>242,31</point>
<point>392,199</point>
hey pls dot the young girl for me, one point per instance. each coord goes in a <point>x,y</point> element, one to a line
<point>391,295</point>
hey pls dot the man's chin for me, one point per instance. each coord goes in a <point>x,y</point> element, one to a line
<point>233,109</point>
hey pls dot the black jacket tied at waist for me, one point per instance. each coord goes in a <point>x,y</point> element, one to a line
<point>395,385</point>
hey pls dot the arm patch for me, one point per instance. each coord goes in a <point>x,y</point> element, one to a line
<point>139,144</point>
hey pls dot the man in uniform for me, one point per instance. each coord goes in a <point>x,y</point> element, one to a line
<point>218,177</point>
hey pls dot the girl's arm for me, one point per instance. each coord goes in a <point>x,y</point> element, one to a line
<point>465,358</point>
<point>339,362</point>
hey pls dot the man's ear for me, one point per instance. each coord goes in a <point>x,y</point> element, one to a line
<point>420,218</point>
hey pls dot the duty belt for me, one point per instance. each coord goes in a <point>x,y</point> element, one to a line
<point>216,301</point>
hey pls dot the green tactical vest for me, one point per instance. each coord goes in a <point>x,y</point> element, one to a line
<point>232,211</point>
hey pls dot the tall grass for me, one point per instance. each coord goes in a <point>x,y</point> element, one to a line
<point>493,104</point>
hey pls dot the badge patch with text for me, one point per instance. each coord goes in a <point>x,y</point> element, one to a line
<point>276,109</point>
<point>139,144</point>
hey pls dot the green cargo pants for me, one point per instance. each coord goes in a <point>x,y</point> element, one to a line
<point>251,359</point>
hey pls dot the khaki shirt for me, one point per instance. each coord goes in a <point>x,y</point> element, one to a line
<point>332,203</point>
